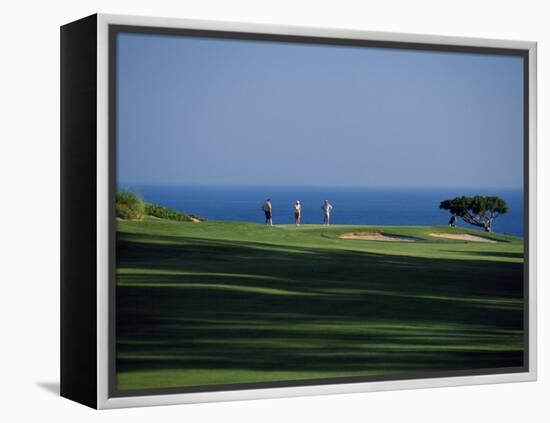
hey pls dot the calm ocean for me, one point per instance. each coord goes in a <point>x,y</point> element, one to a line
<point>351,205</point>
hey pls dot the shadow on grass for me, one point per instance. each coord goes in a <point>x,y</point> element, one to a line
<point>194,303</point>
<point>505,254</point>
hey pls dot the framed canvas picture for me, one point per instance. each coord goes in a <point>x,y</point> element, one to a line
<point>254,211</point>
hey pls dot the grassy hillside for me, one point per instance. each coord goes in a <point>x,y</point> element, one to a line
<point>130,206</point>
<point>227,302</point>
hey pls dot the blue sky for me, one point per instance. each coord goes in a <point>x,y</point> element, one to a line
<point>209,111</point>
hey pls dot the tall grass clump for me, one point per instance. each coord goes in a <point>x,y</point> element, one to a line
<point>129,205</point>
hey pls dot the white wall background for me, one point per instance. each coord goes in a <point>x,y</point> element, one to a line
<point>29,211</point>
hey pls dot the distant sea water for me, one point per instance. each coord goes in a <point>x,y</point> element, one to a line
<point>358,206</point>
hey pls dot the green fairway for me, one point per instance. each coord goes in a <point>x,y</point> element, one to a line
<point>231,302</point>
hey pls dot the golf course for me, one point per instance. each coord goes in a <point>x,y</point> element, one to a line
<point>214,303</point>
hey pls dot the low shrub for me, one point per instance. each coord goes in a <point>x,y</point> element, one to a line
<point>166,213</point>
<point>130,206</point>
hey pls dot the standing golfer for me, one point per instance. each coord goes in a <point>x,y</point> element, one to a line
<point>268,210</point>
<point>326,207</point>
<point>297,212</point>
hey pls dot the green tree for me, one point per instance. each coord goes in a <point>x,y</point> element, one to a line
<point>478,210</point>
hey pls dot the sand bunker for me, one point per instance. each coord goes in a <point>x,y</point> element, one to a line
<point>462,237</point>
<point>372,236</point>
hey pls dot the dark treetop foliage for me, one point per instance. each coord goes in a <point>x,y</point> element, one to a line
<point>478,210</point>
